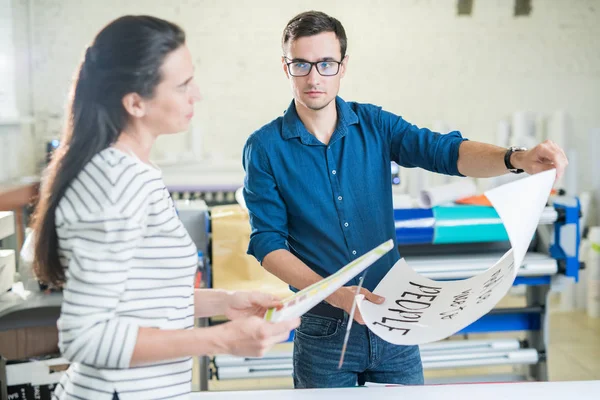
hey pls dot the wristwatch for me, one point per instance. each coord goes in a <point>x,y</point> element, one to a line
<point>507,155</point>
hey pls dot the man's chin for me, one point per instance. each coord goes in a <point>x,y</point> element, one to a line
<point>317,105</point>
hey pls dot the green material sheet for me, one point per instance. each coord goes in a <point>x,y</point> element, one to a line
<point>470,234</point>
<point>452,225</point>
<point>459,212</point>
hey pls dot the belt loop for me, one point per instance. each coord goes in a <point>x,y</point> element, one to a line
<point>346,318</point>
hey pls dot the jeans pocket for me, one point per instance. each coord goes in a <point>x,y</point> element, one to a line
<point>316,327</point>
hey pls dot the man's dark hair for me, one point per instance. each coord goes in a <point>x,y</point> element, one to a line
<point>311,23</point>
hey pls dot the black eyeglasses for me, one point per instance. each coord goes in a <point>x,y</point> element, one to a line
<point>303,68</point>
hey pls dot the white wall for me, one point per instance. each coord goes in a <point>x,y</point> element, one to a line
<point>8,104</point>
<point>414,57</point>
<point>16,138</point>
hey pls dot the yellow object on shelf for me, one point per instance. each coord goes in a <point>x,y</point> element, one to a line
<point>232,268</point>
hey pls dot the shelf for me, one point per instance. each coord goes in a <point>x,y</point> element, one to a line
<point>39,309</point>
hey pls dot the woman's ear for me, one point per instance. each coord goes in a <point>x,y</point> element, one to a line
<point>134,105</point>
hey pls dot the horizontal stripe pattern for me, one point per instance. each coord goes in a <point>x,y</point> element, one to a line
<point>129,263</point>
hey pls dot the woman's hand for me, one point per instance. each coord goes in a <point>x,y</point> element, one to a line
<point>253,336</point>
<point>246,304</point>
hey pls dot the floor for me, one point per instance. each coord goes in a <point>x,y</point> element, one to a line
<point>574,353</point>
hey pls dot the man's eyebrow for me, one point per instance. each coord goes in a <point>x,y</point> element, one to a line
<point>320,59</point>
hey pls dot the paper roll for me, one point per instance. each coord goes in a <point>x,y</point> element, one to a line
<point>569,181</point>
<point>447,193</point>
<point>523,129</point>
<point>522,126</point>
<point>540,127</point>
<point>582,283</point>
<point>559,128</point>
<point>593,273</point>
<point>594,168</point>
<point>503,134</point>
<point>568,301</point>
<point>418,180</point>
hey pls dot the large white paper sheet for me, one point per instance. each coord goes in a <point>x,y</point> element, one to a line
<point>419,310</point>
<point>299,303</point>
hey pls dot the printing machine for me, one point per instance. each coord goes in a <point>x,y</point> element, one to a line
<point>444,242</point>
<point>456,242</point>
<point>7,256</point>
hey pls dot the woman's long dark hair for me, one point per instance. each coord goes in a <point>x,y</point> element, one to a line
<point>125,57</point>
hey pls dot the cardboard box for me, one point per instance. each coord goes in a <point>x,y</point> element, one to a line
<point>232,268</point>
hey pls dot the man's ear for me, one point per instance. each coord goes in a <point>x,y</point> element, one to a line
<point>344,65</point>
<point>285,67</point>
<point>134,105</point>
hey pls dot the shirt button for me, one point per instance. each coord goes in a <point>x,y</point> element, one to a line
<point>346,224</point>
<point>340,198</point>
<point>334,172</point>
<point>353,252</point>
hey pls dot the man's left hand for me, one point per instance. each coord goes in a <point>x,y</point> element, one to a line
<point>544,156</point>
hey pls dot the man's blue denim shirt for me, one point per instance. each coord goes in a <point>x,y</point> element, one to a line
<point>329,204</point>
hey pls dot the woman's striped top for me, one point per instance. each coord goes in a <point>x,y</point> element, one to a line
<point>129,263</point>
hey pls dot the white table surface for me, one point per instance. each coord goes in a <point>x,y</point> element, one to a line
<point>580,390</point>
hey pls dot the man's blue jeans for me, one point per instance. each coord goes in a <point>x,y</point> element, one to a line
<point>317,347</point>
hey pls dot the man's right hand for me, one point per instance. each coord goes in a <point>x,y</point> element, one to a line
<point>344,298</point>
<point>253,336</point>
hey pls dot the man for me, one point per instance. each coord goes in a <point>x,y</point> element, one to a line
<point>318,190</point>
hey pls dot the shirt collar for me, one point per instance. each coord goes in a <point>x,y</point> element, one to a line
<point>293,127</point>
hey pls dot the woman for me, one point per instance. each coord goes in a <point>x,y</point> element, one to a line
<point>109,234</point>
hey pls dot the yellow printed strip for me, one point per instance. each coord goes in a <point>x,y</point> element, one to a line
<point>322,284</point>
<point>269,314</point>
<point>311,290</point>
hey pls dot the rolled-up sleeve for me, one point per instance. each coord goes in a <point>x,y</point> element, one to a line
<point>267,210</point>
<point>412,146</point>
<point>90,330</point>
